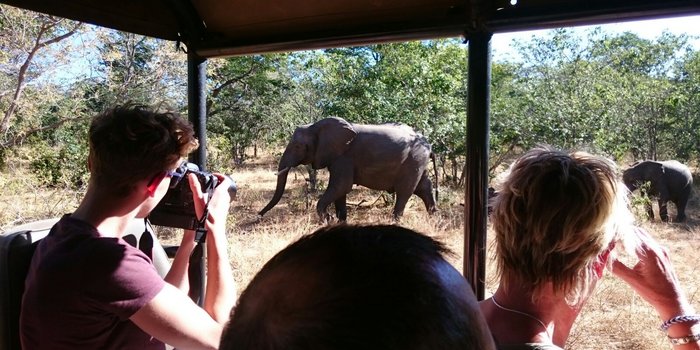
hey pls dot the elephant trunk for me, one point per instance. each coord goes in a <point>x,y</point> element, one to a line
<point>279,190</point>
<point>628,178</point>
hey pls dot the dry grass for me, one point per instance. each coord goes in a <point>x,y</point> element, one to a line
<point>23,201</point>
<point>615,318</point>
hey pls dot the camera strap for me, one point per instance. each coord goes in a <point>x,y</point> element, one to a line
<point>196,269</point>
<point>200,233</point>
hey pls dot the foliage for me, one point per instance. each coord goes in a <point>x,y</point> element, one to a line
<point>218,157</point>
<point>138,69</point>
<point>31,46</point>
<point>245,93</point>
<point>420,83</point>
<point>615,94</point>
<point>639,201</point>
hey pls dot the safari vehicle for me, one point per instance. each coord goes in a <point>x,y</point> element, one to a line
<point>217,28</point>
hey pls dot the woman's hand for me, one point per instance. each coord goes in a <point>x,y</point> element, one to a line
<point>654,278</point>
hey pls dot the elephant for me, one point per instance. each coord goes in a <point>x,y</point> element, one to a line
<point>491,198</point>
<point>669,180</point>
<point>390,157</point>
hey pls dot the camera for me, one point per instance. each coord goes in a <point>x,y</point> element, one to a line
<point>176,209</point>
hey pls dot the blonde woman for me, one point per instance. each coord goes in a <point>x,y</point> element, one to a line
<point>557,218</point>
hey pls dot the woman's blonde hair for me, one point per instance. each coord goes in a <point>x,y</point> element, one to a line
<point>554,215</point>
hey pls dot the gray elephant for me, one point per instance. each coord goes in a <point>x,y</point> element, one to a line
<point>668,180</point>
<point>388,157</point>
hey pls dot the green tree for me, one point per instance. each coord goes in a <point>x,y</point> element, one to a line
<point>244,99</point>
<point>613,94</point>
<point>645,120</point>
<point>139,69</point>
<point>25,55</point>
<point>686,105</point>
<point>420,83</point>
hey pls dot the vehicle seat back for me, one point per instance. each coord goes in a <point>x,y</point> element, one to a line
<point>16,249</point>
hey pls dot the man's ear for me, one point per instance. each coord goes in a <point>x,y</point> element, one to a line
<point>151,189</point>
<point>89,162</point>
<point>153,185</point>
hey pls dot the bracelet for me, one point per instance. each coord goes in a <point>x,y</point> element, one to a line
<point>685,340</point>
<point>679,319</point>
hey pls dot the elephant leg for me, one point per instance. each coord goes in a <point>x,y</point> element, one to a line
<point>406,184</point>
<point>339,185</point>
<point>663,209</point>
<point>323,215</point>
<point>650,210</point>
<point>403,191</point>
<point>401,201</point>
<point>341,208</point>
<point>680,210</point>
<point>424,191</point>
<point>647,202</point>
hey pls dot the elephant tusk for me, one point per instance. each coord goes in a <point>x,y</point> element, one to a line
<point>285,170</point>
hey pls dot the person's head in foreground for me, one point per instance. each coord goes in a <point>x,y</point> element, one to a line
<point>358,287</point>
<point>556,219</point>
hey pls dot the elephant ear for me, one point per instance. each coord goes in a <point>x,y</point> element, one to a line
<point>334,138</point>
<point>658,169</point>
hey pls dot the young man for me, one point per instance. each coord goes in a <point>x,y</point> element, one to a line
<point>358,287</point>
<point>88,289</point>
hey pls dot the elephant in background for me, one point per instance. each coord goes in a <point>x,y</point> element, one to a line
<point>388,157</point>
<point>668,180</point>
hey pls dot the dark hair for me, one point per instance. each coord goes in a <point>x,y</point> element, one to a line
<point>358,287</point>
<point>131,142</point>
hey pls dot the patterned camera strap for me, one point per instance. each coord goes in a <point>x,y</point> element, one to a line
<point>196,271</point>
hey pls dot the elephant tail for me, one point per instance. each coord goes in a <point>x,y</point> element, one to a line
<point>432,157</point>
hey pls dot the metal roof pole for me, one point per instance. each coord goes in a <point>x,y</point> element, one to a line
<point>478,102</point>
<point>197,104</point>
<point>197,107</point>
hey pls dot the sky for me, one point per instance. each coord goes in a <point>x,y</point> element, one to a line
<point>501,43</point>
<point>648,29</point>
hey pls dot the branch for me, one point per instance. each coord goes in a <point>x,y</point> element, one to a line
<point>5,123</point>
<point>503,155</point>
<point>23,136</point>
<point>217,90</point>
<point>61,37</point>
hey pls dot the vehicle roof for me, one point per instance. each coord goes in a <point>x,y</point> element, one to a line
<point>215,28</point>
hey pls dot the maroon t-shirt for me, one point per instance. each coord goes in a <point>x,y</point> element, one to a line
<point>81,290</point>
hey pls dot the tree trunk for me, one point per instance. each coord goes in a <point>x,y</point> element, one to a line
<point>21,76</point>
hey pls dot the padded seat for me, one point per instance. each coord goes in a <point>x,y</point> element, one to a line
<point>16,251</point>
<point>17,246</point>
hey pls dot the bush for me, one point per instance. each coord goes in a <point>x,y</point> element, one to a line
<point>61,166</point>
